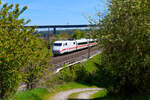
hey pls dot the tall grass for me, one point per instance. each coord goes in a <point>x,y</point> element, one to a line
<point>35,94</point>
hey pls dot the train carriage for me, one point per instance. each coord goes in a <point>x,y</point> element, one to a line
<point>61,47</point>
<point>65,46</point>
<point>82,43</point>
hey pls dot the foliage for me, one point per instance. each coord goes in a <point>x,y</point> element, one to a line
<point>35,94</point>
<point>102,95</point>
<point>63,36</point>
<point>18,48</point>
<point>74,73</point>
<point>87,72</point>
<point>124,35</point>
<point>99,94</point>
<point>98,77</point>
<point>78,34</point>
<point>37,67</point>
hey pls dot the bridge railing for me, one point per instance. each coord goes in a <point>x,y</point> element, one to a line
<point>54,27</point>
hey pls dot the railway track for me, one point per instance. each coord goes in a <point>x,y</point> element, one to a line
<point>59,61</point>
<point>69,58</point>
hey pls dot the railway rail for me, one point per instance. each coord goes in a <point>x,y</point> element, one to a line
<point>59,62</point>
<point>69,58</point>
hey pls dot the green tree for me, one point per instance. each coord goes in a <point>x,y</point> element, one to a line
<point>78,34</point>
<point>124,35</point>
<point>37,67</point>
<point>18,48</point>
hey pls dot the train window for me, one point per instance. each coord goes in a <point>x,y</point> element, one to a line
<point>82,43</point>
<point>57,44</point>
<point>64,44</point>
<point>91,41</point>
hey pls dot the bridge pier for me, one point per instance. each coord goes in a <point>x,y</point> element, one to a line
<point>54,32</point>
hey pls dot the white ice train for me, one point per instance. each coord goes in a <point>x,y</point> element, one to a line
<point>65,46</point>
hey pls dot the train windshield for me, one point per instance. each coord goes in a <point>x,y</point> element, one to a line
<point>57,44</point>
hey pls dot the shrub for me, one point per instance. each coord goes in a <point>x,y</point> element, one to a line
<point>18,48</point>
<point>37,68</point>
<point>124,35</point>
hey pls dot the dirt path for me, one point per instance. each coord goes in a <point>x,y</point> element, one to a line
<point>86,95</point>
<point>64,95</point>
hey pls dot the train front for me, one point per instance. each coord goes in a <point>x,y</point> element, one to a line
<point>57,46</point>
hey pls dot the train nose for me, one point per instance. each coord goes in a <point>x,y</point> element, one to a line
<point>56,50</point>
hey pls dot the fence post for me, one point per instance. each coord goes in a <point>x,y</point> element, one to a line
<point>48,40</point>
<point>54,30</point>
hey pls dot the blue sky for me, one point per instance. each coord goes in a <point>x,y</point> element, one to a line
<point>59,12</point>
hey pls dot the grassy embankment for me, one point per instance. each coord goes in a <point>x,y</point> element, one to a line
<point>91,74</point>
<point>68,86</point>
<point>35,94</point>
<point>43,93</point>
<point>83,75</point>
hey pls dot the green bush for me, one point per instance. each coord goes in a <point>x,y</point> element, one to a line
<point>86,72</point>
<point>35,94</point>
<point>124,35</point>
<point>35,70</point>
<point>18,48</point>
<point>78,34</point>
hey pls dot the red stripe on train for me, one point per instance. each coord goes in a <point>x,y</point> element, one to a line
<point>78,46</point>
